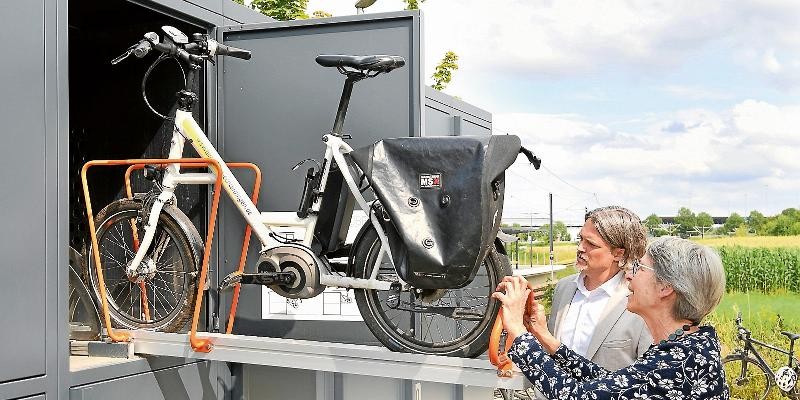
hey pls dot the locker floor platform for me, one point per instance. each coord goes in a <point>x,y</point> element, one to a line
<point>350,359</point>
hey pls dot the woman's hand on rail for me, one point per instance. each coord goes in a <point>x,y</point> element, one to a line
<point>537,325</point>
<point>513,293</point>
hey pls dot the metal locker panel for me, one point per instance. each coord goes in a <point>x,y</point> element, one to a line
<point>471,127</point>
<point>262,382</point>
<point>447,115</point>
<point>37,397</point>
<point>191,381</point>
<point>437,122</point>
<point>22,202</point>
<point>365,387</point>
<point>276,106</point>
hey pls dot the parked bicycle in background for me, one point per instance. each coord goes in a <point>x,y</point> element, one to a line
<point>748,374</point>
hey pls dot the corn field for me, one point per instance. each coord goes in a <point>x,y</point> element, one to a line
<point>761,269</point>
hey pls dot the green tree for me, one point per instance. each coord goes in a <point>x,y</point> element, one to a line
<point>282,10</point>
<point>732,222</point>
<point>653,222</point>
<point>321,14</point>
<point>413,4</point>
<point>704,223</point>
<point>238,1</point>
<point>560,233</point>
<point>687,221</point>
<point>444,71</point>
<point>792,213</point>
<point>782,224</point>
<point>755,221</point>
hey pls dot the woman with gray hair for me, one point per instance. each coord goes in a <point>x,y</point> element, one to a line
<point>673,287</point>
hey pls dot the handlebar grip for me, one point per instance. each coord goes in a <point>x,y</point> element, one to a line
<point>142,49</point>
<point>536,161</point>
<point>231,51</point>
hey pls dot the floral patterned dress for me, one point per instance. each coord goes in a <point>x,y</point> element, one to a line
<point>687,368</point>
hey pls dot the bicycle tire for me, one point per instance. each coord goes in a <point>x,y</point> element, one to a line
<point>473,337</point>
<point>171,290</point>
<point>746,377</point>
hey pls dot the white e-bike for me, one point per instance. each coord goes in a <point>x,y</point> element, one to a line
<point>150,253</point>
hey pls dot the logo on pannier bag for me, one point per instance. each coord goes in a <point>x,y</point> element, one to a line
<point>430,181</point>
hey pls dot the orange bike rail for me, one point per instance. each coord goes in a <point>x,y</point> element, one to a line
<point>499,358</point>
<point>203,345</point>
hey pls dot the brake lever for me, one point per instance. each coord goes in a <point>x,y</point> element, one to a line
<point>124,55</point>
<point>139,49</point>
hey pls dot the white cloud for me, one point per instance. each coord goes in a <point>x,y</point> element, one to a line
<point>761,122</point>
<point>695,93</point>
<point>734,160</point>
<point>561,38</point>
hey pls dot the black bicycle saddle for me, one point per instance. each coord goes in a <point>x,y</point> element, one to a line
<point>790,335</point>
<point>377,63</point>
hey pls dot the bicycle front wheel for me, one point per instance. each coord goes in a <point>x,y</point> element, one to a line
<point>747,378</point>
<point>160,298</point>
<point>429,332</point>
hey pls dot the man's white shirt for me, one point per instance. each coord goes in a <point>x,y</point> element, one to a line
<point>585,312</point>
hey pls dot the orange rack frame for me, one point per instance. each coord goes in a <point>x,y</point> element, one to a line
<point>203,345</point>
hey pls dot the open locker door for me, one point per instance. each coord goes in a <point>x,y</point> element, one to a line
<point>273,111</point>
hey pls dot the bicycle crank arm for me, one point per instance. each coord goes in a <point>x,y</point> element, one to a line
<point>260,278</point>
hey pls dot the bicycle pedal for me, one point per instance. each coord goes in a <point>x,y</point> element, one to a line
<point>269,278</point>
<point>230,281</point>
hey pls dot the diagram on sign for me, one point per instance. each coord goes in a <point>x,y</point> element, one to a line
<point>333,304</point>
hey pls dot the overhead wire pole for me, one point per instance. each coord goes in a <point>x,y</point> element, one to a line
<point>530,242</point>
<point>552,273</point>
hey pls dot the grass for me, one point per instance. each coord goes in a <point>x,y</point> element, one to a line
<point>751,241</point>
<point>563,253</point>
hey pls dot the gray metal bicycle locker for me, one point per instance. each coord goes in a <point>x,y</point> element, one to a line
<point>63,104</point>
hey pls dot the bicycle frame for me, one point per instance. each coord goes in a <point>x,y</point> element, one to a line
<point>263,224</point>
<point>750,348</point>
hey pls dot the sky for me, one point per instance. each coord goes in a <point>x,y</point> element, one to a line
<point>652,105</point>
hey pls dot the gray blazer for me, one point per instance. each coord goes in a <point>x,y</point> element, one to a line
<point>620,337</point>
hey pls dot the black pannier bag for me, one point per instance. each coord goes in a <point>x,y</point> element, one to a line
<point>444,198</point>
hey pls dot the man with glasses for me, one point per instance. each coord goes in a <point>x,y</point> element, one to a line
<point>588,312</point>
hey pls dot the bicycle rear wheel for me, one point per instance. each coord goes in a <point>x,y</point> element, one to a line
<point>427,332</point>
<point>747,378</point>
<point>163,300</point>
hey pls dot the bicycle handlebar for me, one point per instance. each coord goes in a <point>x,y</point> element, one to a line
<point>202,48</point>
<point>231,51</point>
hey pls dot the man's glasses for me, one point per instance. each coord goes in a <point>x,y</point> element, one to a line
<point>636,265</point>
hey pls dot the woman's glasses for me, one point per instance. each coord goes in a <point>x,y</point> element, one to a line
<point>636,265</point>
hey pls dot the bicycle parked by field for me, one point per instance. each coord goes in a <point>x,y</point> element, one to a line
<point>423,265</point>
<point>748,374</point>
